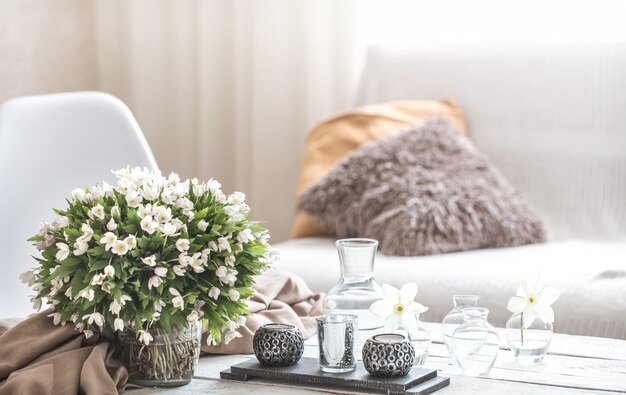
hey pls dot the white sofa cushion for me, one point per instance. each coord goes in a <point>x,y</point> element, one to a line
<point>590,275</point>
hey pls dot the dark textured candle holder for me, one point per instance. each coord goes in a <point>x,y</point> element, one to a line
<point>278,345</point>
<point>388,355</point>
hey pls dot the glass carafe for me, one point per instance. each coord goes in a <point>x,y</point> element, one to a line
<point>475,343</point>
<point>357,289</point>
<point>455,317</point>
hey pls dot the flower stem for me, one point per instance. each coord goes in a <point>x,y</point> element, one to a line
<point>522,328</point>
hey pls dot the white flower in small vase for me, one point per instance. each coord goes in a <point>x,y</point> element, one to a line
<point>529,330</point>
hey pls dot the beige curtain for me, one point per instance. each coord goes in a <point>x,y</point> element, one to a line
<point>228,89</point>
<point>221,88</point>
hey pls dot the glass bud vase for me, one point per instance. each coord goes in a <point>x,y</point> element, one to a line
<point>529,345</point>
<point>475,343</point>
<point>168,360</point>
<point>454,318</point>
<point>357,289</point>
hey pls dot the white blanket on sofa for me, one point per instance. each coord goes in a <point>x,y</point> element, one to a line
<point>590,275</point>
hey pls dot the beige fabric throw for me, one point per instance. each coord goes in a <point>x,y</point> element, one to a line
<point>37,357</point>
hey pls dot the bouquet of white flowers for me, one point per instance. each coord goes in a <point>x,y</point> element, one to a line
<point>151,251</point>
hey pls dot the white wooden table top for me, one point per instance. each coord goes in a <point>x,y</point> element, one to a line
<point>574,365</point>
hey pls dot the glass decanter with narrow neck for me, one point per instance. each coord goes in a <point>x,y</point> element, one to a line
<point>357,289</point>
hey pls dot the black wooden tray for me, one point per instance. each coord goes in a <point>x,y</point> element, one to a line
<point>307,371</point>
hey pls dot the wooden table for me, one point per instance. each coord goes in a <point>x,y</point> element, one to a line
<point>574,365</point>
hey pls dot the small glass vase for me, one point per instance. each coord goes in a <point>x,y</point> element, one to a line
<point>475,343</point>
<point>455,318</point>
<point>529,345</point>
<point>168,361</point>
<point>357,289</point>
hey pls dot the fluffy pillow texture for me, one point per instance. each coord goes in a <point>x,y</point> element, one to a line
<point>424,191</point>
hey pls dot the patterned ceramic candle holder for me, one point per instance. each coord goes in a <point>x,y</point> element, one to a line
<point>278,345</point>
<point>388,355</point>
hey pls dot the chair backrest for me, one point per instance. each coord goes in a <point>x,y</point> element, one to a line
<point>49,145</point>
<point>551,116</point>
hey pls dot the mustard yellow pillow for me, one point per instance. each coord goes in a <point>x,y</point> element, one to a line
<point>332,139</point>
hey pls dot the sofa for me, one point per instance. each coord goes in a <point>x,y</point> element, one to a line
<point>552,118</point>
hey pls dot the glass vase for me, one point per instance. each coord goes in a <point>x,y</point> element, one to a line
<point>475,343</point>
<point>357,289</point>
<point>169,360</point>
<point>454,318</point>
<point>529,345</point>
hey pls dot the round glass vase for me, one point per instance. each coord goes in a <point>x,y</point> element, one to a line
<point>357,289</point>
<point>455,318</point>
<point>475,343</point>
<point>168,361</point>
<point>529,345</point>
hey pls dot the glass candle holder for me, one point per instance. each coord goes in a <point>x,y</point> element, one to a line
<point>336,334</point>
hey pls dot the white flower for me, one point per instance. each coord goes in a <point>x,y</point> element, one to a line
<point>108,239</point>
<point>87,232</point>
<point>213,246</point>
<point>233,213</point>
<point>202,225</point>
<point>45,228</point>
<point>229,260</point>
<point>145,337</point>
<point>111,225</point>
<point>150,261</point>
<point>118,324</point>
<point>87,332</point>
<point>80,247</point>
<point>214,293</point>
<point>182,245</point>
<point>109,270</point>
<point>150,192</point>
<point>119,248</point>
<point>223,244</point>
<point>56,318</point>
<point>236,198</point>
<point>115,307</point>
<point>231,335</point>
<point>28,277</point>
<point>245,236</point>
<point>96,318</point>
<point>149,225</point>
<point>178,300</point>
<point>192,318</point>
<point>36,302</point>
<point>179,270</point>
<point>115,211</point>
<point>60,222</point>
<point>87,294</point>
<point>160,271</point>
<point>399,308</point>
<point>221,272</point>
<point>97,279</point>
<point>144,211</point>
<point>64,251</point>
<point>154,281</point>
<point>532,300</point>
<point>198,189</point>
<point>96,211</point>
<point>133,199</point>
<point>233,295</point>
<point>184,203</point>
<point>78,194</point>
<point>162,214</point>
<point>169,230</point>
<point>131,240</point>
<point>231,276</point>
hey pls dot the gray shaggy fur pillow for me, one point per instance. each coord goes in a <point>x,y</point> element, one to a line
<point>424,191</point>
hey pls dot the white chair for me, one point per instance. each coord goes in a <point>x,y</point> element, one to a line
<point>49,145</point>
